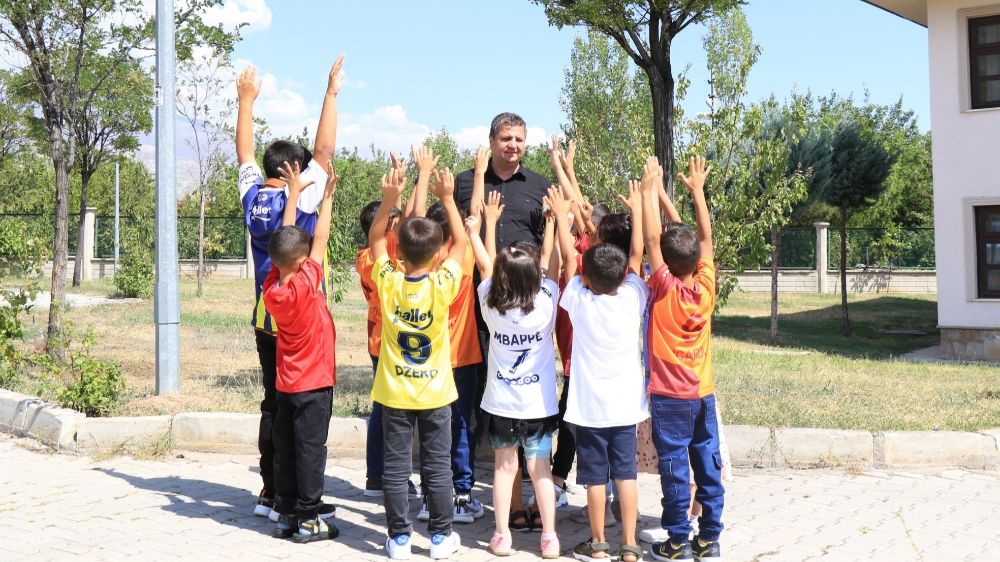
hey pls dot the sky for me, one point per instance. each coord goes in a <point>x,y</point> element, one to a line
<point>415,67</point>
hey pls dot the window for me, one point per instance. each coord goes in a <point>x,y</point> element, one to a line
<point>988,250</point>
<point>984,61</point>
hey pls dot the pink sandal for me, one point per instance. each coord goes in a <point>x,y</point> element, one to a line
<point>550,546</point>
<point>500,544</point>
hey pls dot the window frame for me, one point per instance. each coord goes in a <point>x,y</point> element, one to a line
<point>976,51</point>
<point>983,238</point>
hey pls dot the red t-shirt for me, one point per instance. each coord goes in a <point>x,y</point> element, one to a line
<point>564,327</point>
<point>306,358</point>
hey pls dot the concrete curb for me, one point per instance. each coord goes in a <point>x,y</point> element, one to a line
<point>749,446</point>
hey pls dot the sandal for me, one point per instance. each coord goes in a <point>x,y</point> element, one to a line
<point>536,519</point>
<point>585,551</point>
<point>635,552</point>
<point>524,525</point>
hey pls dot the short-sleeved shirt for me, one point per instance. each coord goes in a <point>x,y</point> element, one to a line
<point>521,370</point>
<point>564,328</point>
<point>521,194</point>
<point>680,333</point>
<point>305,354</point>
<point>607,388</point>
<point>414,367</point>
<point>363,265</point>
<point>263,212</point>
<point>462,327</point>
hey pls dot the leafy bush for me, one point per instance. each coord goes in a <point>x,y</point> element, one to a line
<point>87,384</point>
<point>134,278</point>
<point>21,256</point>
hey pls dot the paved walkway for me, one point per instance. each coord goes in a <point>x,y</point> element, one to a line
<point>58,507</point>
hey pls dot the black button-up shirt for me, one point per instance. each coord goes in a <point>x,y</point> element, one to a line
<point>521,195</point>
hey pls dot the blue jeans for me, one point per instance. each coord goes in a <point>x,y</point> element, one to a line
<point>463,441</point>
<point>374,459</point>
<point>686,434</point>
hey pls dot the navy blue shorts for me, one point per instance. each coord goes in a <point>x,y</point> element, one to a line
<point>604,451</point>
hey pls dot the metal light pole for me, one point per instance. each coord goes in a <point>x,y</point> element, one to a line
<point>166,309</point>
<point>116,216</point>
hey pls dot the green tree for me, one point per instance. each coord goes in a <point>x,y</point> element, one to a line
<point>13,117</point>
<point>53,37</point>
<point>607,100</point>
<point>645,29</point>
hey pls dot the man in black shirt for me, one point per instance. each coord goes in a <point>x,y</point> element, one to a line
<point>520,188</point>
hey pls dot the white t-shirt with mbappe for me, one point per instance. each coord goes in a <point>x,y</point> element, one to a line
<point>521,370</point>
<point>607,388</point>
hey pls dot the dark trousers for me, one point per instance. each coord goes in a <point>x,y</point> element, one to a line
<point>463,441</point>
<point>374,462</point>
<point>686,433</point>
<point>562,460</point>
<point>434,427</point>
<point>300,432</point>
<point>267,350</point>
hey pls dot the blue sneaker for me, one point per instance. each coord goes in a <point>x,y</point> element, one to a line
<point>398,547</point>
<point>443,546</point>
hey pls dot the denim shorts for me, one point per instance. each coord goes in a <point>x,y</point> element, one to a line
<point>536,445</point>
<point>605,451</point>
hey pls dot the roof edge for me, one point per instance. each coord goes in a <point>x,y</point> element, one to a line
<point>884,9</point>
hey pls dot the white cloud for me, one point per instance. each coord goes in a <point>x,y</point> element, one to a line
<point>388,128</point>
<point>231,13</point>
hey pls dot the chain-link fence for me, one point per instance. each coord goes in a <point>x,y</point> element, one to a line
<point>42,227</point>
<point>884,248</point>
<point>798,249</point>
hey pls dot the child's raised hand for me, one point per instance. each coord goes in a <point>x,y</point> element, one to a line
<point>247,85</point>
<point>392,185</point>
<point>651,171</point>
<point>494,208</point>
<point>424,159</point>
<point>472,225</point>
<point>481,161</point>
<point>336,78</point>
<point>586,210</point>
<point>557,202</point>
<point>699,172</point>
<point>292,176</point>
<point>634,199</point>
<point>396,162</point>
<point>570,154</point>
<point>331,180</point>
<point>443,184</point>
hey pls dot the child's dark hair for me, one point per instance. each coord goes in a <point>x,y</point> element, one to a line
<point>516,278</point>
<point>368,216</point>
<point>281,151</point>
<point>616,229</point>
<point>419,240</point>
<point>600,211</point>
<point>604,266</point>
<point>437,214</point>
<point>288,244</point>
<point>680,248</point>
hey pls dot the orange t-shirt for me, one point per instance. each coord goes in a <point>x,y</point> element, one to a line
<point>680,333</point>
<point>363,266</point>
<point>462,329</point>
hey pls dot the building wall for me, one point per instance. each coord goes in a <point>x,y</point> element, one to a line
<point>805,281</point>
<point>966,156</point>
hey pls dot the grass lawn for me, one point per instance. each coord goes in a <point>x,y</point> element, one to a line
<point>814,378</point>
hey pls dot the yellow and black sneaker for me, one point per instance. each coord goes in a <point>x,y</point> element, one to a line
<point>315,529</point>
<point>285,527</point>
<point>669,552</point>
<point>706,552</point>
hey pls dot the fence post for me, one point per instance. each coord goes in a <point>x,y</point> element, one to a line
<point>822,256</point>
<point>248,271</point>
<point>86,253</point>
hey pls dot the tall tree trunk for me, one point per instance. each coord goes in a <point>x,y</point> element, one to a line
<point>775,257</point>
<point>661,85</point>
<point>201,241</point>
<point>843,270</point>
<point>54,337</point>
<point>85,176</point>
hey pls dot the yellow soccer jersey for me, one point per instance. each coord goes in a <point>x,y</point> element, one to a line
<point>414,366</point>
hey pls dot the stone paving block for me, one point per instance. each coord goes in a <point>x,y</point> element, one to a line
<point>749,445</point>
<point>799,447</point>
<point>929,448</point>
<point>109,434</point>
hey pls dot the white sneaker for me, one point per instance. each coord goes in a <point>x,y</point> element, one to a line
<point>443,546</point>
<point>413,490</point>
<point>654,535</point>
<point>264,506</point>
<point>274,516</point>
<point>574,489</point>
<point>424,514</point>
<point>398,547</point>
<point>467,509</point>
<point>562,500</point>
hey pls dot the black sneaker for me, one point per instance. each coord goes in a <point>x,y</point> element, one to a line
<point>286,527</point>
<point>412,491</point>
<point>327,511</point>
<point>708,552</point>
<point>315,529</point>
<point>373,488</point>
<point>668,552</point>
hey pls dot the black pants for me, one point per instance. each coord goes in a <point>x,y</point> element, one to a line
<point>267,350</point>
<point>562,460</point>
<point>434,427</point>
<point>300,432</point>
